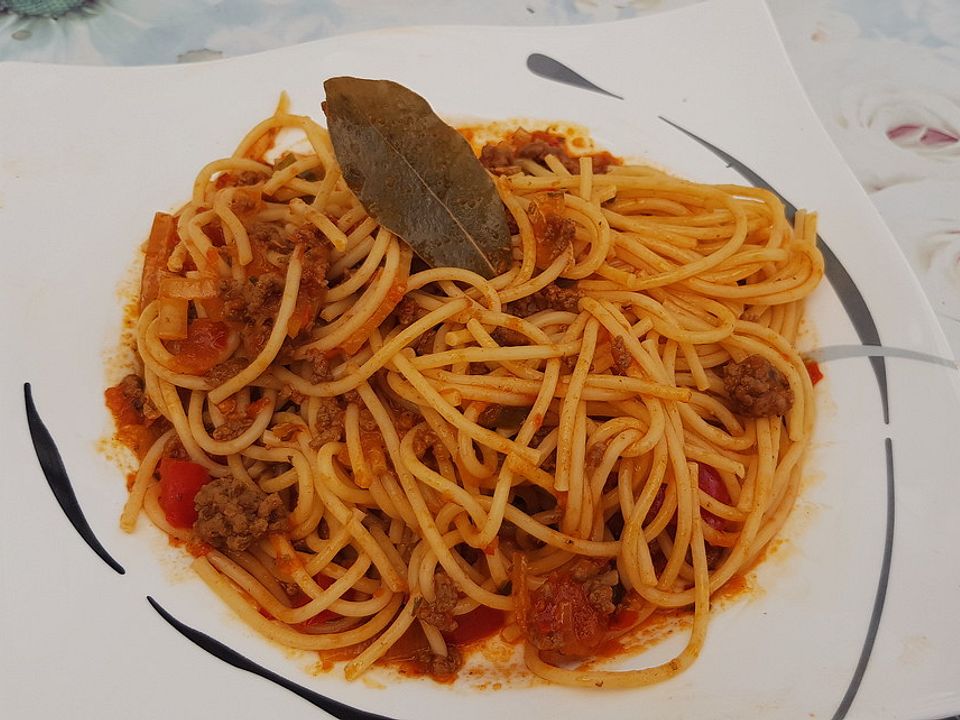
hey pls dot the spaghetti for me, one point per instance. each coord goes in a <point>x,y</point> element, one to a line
<point>358,449</point>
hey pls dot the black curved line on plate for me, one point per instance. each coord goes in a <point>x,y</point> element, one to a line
<point>846,289</point>
<point>232,657</point>
<point>880,596</point>
<point>843,352</point>
<point>52,466</point>
<point>546,67</point>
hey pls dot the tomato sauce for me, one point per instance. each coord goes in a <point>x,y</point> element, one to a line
<point>133,429</point>
<point>814,371</point>
<point>203,347</point>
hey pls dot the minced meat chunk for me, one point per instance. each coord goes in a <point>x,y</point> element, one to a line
<point>439,613</point>
<point>219,374</point>
<point>439,666</point>
<point>329,425</point>
<point>255,299</point>
<point>234,424</point>
<point>232,514</point>
<point>756,388</point>
<point>552,297</point>
<point>132,389</point>
<point>318,366</point>
<point>499,158</point>
<point>621,356</point>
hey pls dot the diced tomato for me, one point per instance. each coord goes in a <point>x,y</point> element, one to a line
<point>180,481</point>
<point>814,371</point>
<point>205,343</point>
<point>475,625</point>
<point>712,484</point>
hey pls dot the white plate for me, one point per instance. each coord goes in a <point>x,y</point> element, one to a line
<point>856,614</point>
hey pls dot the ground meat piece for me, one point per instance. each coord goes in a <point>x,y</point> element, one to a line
<point>232,514</point>
<point>271,237</point>
<point>252,299</point>
<point>132,389</point>
<point>552,297</point>
<point>599,580</point>
<point>219,374</point>
<point>406,311</point>
<point>253,304</point>
<point>234,424</point>
<point>329,425</point>
<point>621,356</point>
<point>319,366</point>
<point>439,612</point>
<point>499,158</point>
<point>509,337</point>
<point>315,257</point>
<point>439,666</point>
<point>600,596</point>
<point>756,388</point>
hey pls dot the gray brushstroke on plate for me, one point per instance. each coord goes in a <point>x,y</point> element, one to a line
<point>546,67</point>
<point>881,594</point>
<point>843,352</point>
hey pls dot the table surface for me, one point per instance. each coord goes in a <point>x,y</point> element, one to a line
<point>883,75</point>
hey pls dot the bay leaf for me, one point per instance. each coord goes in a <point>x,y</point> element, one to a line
<point>416,175</point>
